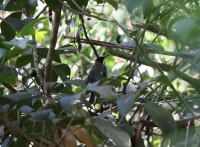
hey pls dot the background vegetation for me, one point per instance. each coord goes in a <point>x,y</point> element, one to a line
<point>151,95</point>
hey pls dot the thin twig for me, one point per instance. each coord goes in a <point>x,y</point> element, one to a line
<point>9,87</point>
<point>91,44</point>
<point>41,12</point>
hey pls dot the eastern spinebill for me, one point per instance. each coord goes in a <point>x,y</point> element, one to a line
<point>97,72</point>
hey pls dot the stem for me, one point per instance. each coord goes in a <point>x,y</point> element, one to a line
<point>51,51</point>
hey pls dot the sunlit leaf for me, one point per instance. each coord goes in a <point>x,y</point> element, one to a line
<point>28,29</point>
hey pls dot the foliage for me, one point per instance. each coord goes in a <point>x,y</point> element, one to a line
<point>151,94</point>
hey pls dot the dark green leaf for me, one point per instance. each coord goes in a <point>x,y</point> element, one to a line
<point>82,4</point>
<point>8,78</point>
<point>157,48</point>
<point>67,102</point>
<point>17,24</point>
<point>42,115</point>
<point>26,109</point>
<point>163,79</point>
<point>23,60</point>
<point>113,3</point>
<point>134,4</point>
<point>42,53</point>
<point>54,5</point>
<point>76,82</point>
<point>162,118</point>
<point>127,128</point>
<point>184,26</point>
<point>147,8</point>
<point>112,132</point>
<point>63,71</point>
<point>125,104</point>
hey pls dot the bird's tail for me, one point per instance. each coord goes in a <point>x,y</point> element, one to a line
<point>92,98</point>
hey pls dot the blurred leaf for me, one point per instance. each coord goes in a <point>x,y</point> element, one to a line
<point>78,90</point>
<point>106,92</point>
<point>63,71</point>
<point>26,110</point>
<point>113,3</point>
<point>162,118</point>
<point>28,29</point>
<point>125,104</point>
<point>68,49</point>
<point>5,142</point>
<point>134,4</point>
<point>127,128</point>
<point>19,96</point>
<point>42,115</point>
<point>8,78</point>
<point>2,52</point>
<point>17,24</point>
<point>163,79</point>
<point>23,60</point>
<point>184,26</point>
<point>53,5</point>
<point>112,132</point>
<point>6,30</point>
<point>66,102</point>
<point>76,82</point>
<point>15,42</point>
<point>15,52</point>
<point>82,4</point>
<point>157,48</point>
<point>148,8</point>
<point>42,52</point>
<point>6,108</point>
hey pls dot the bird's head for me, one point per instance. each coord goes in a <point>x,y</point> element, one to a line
<point>101,59</point>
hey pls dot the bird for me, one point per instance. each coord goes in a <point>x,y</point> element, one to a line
<point>97,72</point>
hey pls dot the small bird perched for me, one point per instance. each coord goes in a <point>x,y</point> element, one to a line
<point>97,72</point>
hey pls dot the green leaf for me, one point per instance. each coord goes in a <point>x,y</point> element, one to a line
<point>28,29</point>
<point>8,78</point>
<point>54,5</point>
<point>23,60</point>
<point>105,91</point>
<point>127,128</point>
<point>68,49</point>
<point>67,102</point>
<point>147,8</point>
<point>63,71</point>
<point>157,48</point>
<point>42,115</point>
<point>125,104</point>
<point>42,53</point>
<point>112,132</point>
<point>2,52</point>
<point>113,3</point>
<point>19,96</point>
<point>17,24</point>
<point>82,4</point>
<point>162,118</point>
<point>163,79</point>
<point>134,4</point>
<point>76,82</point>
<point>6,30</point>
<point>184,26</point>
<point>15,42</point>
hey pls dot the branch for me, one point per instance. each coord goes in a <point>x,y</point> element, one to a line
<point>9,87</point>
<point>17,129</point>
<point>149,50</point>
<point>51,51</point>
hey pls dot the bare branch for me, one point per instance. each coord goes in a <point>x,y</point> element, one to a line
<point>51,51</point>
